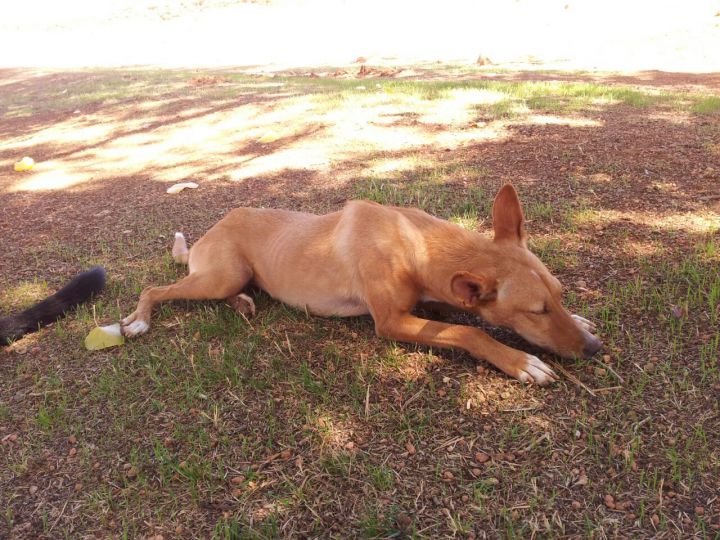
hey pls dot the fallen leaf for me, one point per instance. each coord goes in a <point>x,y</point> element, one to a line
<point>177,188</point>
<point>102,337</point>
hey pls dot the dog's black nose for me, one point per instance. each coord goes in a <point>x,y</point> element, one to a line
<point>592,345</point>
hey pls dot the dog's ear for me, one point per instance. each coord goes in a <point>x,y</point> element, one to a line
<point>471,289</point>
<point>508,219</point>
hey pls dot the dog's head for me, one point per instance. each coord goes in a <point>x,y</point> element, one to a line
<point>517,290</point>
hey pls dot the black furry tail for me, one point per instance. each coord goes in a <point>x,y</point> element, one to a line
<point>80,289</point>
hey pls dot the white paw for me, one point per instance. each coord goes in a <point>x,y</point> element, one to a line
<point>536,371</point>
<point>586,325</point>
<point>135,328</point>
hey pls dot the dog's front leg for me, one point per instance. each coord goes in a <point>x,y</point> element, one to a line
<point>523,366</point>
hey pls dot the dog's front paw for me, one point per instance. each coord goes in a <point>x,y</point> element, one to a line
<point>533,370</point>
<point>133,326</point>
<point>583,323</point>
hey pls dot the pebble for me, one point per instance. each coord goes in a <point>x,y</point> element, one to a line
<point>481,457</point>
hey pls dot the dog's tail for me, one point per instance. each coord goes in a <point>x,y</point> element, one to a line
<point>80,289</point>
<point>180,250</point>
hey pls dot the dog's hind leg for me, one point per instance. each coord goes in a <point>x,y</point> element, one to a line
<point>212,277</point>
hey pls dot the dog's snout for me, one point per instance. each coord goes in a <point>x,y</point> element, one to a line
<point>592,346</point>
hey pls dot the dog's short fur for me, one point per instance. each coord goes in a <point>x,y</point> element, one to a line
<point>382,260</point>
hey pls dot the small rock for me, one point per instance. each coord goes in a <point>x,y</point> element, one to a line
<point>236,492</point>
<point>33,490</point>
<point>655,519</point>
<point>464,498</point>
<point>609,501</point>
<point>72,439</point>
<point>72,452</point>
<point>410,448</point>
<point>577,505</point>
<point>237,480</point>
<point>699,511</point>
<point>78,486</point>
<point>476,472</point>
<point>447,475</point>
<point>481,457</point>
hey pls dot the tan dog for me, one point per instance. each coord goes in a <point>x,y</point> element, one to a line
<point>383,260</point>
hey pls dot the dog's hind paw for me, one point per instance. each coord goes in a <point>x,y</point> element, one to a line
<point>536,371</point>
<point>243,304</point>
<point>583,323</point>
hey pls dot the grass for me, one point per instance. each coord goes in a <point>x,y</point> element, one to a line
<point>290,425</point>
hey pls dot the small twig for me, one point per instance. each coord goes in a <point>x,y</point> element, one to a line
<point>367,402</point>
<point>533,444</point>
<point>611,370</point>
<point>287,339</point>
<point>607,389</point>
<point>412,398</point>
<point>58,518</point>
<point>521,409</point>
<point>247,321</point>
<point>572,377</point>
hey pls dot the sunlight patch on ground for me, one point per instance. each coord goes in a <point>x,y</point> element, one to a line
<point>550,120</point>
<point>23,294</point>
<point>458,108</point>
<point>701,222</point>
<point>333,432</point>
<point>394,165</point>
<point>312,132</point>
<point>642,249</point>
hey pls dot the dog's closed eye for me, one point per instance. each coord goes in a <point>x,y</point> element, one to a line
<point>543,311</point>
